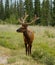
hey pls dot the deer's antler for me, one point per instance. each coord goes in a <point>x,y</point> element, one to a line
<point>22,20</point>
<point>25,16</point>
<point>35,18</point>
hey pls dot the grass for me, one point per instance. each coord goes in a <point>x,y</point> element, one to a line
<point>43,50</point>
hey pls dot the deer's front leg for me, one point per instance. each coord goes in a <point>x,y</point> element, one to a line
<point>26,48</point>
<point>30,48</point>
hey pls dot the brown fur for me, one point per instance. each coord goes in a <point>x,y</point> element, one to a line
<point>28,37</point>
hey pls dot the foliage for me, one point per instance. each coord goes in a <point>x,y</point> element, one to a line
<point>44,10</point>
<point>7,12</point>
<point>1,10</point>
<point>53,22</point>
<point>37,10</point>
<point>37,7</point>
<point>11,20</point>
<point>21,8</point>
<point>43,47</point>
<point>28,7</point>
<point>42,54</point>
<point>7,41</point>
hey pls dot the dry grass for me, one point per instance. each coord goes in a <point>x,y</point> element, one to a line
<point>12,45</point>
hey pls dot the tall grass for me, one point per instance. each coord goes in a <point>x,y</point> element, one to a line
<point>9,38</point>
<point>43,48</point>
<point>44,45</point>
<point>44,54</point>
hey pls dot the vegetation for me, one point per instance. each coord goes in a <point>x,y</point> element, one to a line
<point>43,50</point>
<point>12,48</point>
<point>10,11</point>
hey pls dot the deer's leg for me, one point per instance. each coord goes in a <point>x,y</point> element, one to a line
<point>30,48</point>
<point>26,48</point>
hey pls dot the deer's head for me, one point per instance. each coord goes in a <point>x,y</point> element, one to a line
<point>24,26</point>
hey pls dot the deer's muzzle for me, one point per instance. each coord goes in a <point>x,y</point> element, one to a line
<point>18,30</point>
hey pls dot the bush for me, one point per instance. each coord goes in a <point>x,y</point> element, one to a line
<point>48,60</point>
<point>43,56</point>
<point>11,20</point>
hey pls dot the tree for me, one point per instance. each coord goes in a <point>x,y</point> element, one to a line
<point>11,7</point>
<point>7,11</point>
<point>53,23</point>
<point>51,9</point>
<point>37,10</point>
<point>37,7</point>
<point>51,12</point>
<point>14,7</point>
<point>21,8</point>
<point>17,9</point>
<point>29,9</point>
<point>1,10</point>
<point>45,13</point>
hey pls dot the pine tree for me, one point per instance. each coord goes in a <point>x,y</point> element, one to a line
<point>51,7</point>
<point>51,12</point>
<point>45,13</point>
<point>17,9</point>
<point>1,10</point>
<point>11,7</point>
<point>14,7</point>
<point>54,8</point>
<point>37,7</point>
<point>53,23</point>
<point>37,10</point>
<point>7,12</point>
<point>21,8</point>
<point>13,12</point>
<point>29,8</point>
<point>31,11</point>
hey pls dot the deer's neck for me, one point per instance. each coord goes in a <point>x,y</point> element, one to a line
<point>26,35</point>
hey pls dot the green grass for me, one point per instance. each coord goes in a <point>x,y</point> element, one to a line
<point>11,60</point>
<point>10,40</point>
<point>43,48</point>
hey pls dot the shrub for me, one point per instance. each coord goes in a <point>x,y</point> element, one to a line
<point>11,20</point>
<point>43,56</point>
<point>48,60</point>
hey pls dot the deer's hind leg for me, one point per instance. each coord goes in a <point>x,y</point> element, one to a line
<point>29,49</point>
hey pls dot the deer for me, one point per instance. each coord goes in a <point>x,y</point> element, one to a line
<point>28,34</point>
